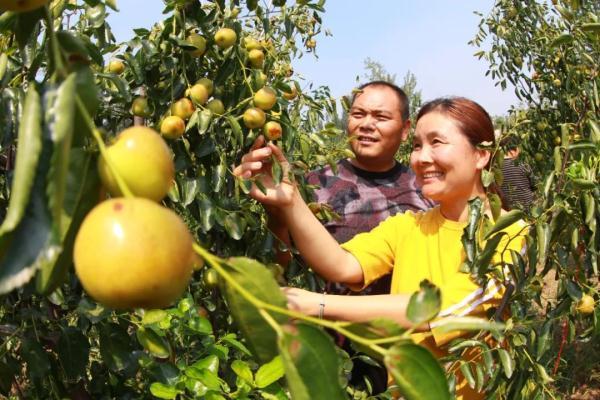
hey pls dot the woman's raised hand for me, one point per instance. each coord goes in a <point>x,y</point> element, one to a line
<point>256,165</point>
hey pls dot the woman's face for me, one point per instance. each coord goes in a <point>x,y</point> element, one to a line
<point>447,166</point>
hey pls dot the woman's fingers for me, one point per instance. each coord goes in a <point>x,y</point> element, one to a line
<point>252,161</point>
<point>258,143</point>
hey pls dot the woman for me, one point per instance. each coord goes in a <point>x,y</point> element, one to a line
<point>411,246</point>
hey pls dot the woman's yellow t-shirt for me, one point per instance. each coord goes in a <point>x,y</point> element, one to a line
<point>425,245</point>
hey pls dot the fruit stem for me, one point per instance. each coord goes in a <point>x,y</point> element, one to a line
<point>215,262</point>
<point>98,137</point>
<point>246,81</point>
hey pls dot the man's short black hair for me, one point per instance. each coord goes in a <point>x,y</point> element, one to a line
<point>404,103</point>
<point>510,142</point>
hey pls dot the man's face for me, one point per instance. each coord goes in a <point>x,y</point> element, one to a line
<point>376,128</point>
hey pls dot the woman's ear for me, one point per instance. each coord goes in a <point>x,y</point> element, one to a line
<point>483,158</point>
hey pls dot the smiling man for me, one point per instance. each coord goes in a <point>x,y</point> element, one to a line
<point>373,185</point>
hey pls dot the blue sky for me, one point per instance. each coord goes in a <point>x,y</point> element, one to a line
<point>429,38</point>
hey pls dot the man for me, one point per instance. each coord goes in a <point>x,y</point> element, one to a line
<point>369,187</point>
<point>518,186</point>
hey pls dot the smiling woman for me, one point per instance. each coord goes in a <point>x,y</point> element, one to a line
<point>412,246</point>
<point>444,157</point>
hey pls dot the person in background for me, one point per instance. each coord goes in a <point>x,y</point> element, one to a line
<point>518,186</point>
<point>412,246</point>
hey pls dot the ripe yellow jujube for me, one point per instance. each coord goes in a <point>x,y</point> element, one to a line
<point>254,117</point>
<point>207,83</point>
<point>291,95</point>
<point>144,161</point>
<point>198,42</point>
<point>132,252</point>
<point>216,106</point>
<point>183,108</point>
<point>199,94</point>
<point>265,98</point>
<point>272,130</point>
<point>140,108</point>
<point>225,38</point>
<point>116,67</point>
<point>256,58</point>
<point>252,44</point>
<point>586,304</point>
<point>172,127</point>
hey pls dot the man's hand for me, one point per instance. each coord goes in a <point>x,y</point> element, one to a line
<point>256,164</point>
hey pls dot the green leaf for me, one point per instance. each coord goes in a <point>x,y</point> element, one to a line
<point>487,178</point>
<point>311,363</point>
<point>207,213</point>
<point>562,39</point>
<point>81,196</point>
<point>73,352</point>
<point>269,373</point>
<point>237,129</point>
<point>26,25</point>
<point>89,94</point>
<point>38,364</point>
<point>417,372</point>
<point>495,205</point>
<point>200,325</point>
<point>115,347</point>
<point>121,85</point>
<point>465,369</point>
<point>72,44</point>
<point>96,15</point>
<point>235,224</point>
<point>425,304</point>
<point>163,391</point>
<point>258,280</point>
<point>210,363</point>
<point>505,221</point>
<point>543,374</point>
<point>28,153</point>
<point>218,176</point>
<point>112,4</point>
<point>157,346</point>
<point>485,257</point>
<point>209,379</point>
<point>25,249</point>
<point>508,363</point>
<point>230,340</point>
<point>153,316</point>
<point>242,370</point>
<point>204,119</point>
<point>190,189</point>
<point>195,387</point>
<point>3,65</point>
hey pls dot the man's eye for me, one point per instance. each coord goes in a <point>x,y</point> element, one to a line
<point>416,146</point>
